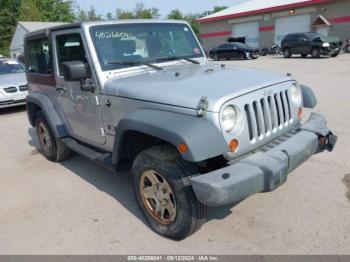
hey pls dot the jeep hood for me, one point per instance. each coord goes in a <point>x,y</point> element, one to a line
<point>184,85</point>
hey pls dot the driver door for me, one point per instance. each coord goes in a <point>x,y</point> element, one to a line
<point>80,109</point>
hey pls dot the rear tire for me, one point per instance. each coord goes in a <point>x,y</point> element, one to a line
<point>315,53</point>
<point>168,204</point>
<point>287,53</point>
<point>52,148</point>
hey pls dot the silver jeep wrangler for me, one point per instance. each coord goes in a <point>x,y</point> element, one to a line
<point>141,94</point>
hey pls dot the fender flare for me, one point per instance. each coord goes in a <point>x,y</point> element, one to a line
<point>49,111</point>
<point>202,138</point>
<point>309,97</point>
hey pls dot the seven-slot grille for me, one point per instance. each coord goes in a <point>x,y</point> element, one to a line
<point>268,114</point>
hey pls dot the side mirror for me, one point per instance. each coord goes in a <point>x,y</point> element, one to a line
<point>74,71</point>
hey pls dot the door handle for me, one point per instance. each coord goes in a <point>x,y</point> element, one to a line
<point>61,89</point>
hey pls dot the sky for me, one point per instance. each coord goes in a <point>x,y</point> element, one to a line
<point>164,6</point>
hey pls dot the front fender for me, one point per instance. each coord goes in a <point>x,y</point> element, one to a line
<point>202,138</point>
<point>43,101</point>
<point>309,98</point>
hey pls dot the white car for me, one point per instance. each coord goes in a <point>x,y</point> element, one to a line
<point>13,83</point>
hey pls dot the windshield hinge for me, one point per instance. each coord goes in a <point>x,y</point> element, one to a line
<point>103,132</point>
<point>203,106</point>
<point>97,100</point>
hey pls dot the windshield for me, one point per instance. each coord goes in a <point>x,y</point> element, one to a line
<point>119,45</point>
<point>10,67</point>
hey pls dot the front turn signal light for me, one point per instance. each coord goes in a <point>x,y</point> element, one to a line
<point>182,148</point>
<point>233,146</point>
<point>300,113</point>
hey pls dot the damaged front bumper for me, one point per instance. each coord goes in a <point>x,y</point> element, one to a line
<point>329,51</point>
<point>265,170</point>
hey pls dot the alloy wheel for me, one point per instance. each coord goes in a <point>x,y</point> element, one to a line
<point>158,197</point>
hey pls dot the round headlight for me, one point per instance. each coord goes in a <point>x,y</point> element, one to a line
<point>229,118</point>
<point>296,95</point>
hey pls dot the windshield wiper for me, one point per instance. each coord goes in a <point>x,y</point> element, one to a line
<point>172,58</point>
<point>134,63</point>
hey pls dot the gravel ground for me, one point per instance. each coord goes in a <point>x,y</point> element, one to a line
<point>78,207</point>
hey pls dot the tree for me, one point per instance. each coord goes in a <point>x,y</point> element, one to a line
<point>140,12</point>
<point>219,8</point>
<point>92,15</point>
<point>176,15</point>
<point>190,18</point>
<point>29,11</point>
<point>109,16</point>
<point>12,11</point>
<point>121,14</point>
<point>9,13</point>
<point>81,16</point>
<point>215,10</point>
<point>47,10</point>
<point>58,10</point>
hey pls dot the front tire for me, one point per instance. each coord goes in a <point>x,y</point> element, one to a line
<point>241,56</point>
<point>52,148</point>
<point>287,53</point>
<point>168,204</point>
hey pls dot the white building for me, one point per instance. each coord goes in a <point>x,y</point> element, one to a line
<point>16,47</point>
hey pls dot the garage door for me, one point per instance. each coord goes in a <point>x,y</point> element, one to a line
<point>292,24</point>
<point>248,30</point>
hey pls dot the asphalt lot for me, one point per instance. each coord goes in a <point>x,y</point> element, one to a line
<point>78,207</point>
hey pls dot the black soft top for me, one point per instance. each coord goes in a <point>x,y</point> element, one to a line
<point>45,32</point>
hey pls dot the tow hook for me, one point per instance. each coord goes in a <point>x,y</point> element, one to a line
<point>327,142</point>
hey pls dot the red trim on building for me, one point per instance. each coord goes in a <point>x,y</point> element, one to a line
<point>266,28</point>
<point>264,10</point>
<point>215,34</point>
<point>338,20</point>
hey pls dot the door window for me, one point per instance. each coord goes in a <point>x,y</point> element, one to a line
<point>303,39</point>
<point>39,58</point>
<point>69,48</point>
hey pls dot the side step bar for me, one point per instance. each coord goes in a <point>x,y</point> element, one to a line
<point>104,159</point>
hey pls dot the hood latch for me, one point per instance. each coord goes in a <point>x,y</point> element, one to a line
<point>202,106</point>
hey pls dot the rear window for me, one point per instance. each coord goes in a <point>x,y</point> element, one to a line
<point>39,59</point>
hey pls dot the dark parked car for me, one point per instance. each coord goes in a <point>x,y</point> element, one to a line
<point>308,43</point>
<point>233,50</point>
